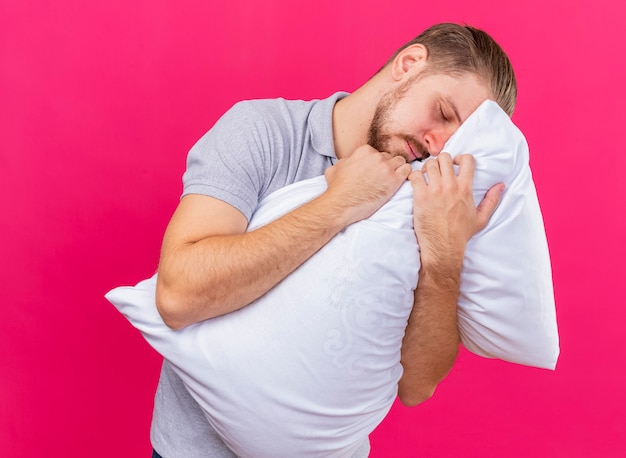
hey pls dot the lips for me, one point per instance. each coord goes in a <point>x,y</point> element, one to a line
<point>413,155</point>
<point>418,149</point>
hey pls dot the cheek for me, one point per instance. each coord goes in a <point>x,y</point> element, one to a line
<point>415,124</point>
<point>405,120</point>
<point>408,116</point>
<point>448,130</point>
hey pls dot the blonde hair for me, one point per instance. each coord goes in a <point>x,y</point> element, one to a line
<point>454,49</point>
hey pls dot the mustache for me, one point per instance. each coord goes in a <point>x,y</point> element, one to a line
<point>417,146</point>
<point>379,142</point>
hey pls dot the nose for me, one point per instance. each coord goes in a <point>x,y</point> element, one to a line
<point>434,142</point>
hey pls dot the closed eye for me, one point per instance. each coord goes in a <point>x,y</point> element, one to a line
<point>442,113</point>
<point>451,112</point>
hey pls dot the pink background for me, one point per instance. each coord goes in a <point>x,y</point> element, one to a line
<point>99,103</point>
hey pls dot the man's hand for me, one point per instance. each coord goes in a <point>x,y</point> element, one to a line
<point>445,218</point>
<point>364,181</point>
<point>211,266</point>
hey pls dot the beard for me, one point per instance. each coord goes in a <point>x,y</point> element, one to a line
<point>380,139</point>
<point>376,136</point>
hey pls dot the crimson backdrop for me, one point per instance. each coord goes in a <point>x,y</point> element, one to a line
<point>99,103</point>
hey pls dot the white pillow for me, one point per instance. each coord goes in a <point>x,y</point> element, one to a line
<point>311,368</point>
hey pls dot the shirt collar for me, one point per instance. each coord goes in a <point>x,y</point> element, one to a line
<point>321,125</point>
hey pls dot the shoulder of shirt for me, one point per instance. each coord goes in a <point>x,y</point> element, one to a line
<point>271,105</point>
<point>268,111</point>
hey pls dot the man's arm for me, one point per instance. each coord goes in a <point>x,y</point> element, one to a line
<point>445,218</point>
<point>210,266</point>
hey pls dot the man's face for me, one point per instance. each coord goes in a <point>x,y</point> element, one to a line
<point>416,119</point>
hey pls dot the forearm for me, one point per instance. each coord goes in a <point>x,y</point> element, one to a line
<point>216,275</point>
<point>210,266</point>
<point>445,219</point>
<point>431,340</point>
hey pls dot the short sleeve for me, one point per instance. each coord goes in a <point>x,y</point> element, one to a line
<point>230,162</point>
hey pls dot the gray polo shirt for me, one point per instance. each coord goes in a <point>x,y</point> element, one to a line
<point>255,148</point>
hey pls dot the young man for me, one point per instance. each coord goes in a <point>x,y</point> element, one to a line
<point>363,142</point>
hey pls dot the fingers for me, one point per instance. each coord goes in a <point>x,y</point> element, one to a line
<point>445,166</point>
<point>404,170</point>
<point>440,169</point>
<point>400,167</point>
<point>434,171</point>
<point>431,172</point>
<point>467,165</point>
<point>418,181</point>
<point>373,163</point>
<point>488,205</point>
<point>444,200</point>
<point>396,163</point>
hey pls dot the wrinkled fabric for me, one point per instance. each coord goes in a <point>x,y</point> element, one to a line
<point>311,368</point>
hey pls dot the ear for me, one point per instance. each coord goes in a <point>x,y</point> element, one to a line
<point>409,61</point>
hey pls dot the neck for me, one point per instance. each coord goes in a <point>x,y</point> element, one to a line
<point>353,115</point>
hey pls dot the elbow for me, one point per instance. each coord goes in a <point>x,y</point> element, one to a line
<point>168,305</point>
<point>414,397</point>
<point>179,308</point>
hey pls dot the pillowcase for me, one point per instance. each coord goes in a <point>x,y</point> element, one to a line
<point>311,368</point>
<point>506,307</point>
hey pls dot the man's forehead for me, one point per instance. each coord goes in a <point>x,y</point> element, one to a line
<point>463,93</point>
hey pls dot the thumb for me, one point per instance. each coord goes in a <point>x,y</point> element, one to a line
<point>489,203</point>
